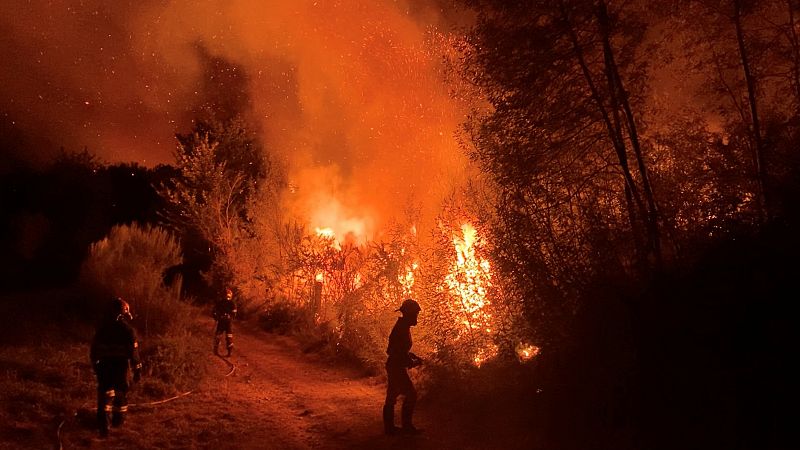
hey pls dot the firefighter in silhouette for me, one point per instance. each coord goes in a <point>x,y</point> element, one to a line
<point>224,312</point>
<point>399,361</point>
<point>114,351</point>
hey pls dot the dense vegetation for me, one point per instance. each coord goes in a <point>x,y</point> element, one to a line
<point>644,244</point>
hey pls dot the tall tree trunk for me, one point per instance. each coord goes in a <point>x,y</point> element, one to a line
<point>795,43</point>
<point>620,97</point>
<point>758,145</point>
<point>631,190</point>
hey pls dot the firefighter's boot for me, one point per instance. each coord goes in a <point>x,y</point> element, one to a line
<point>104,400</point>
<point>407,411</point>
<point>117,419</point>
<point>119,408</point>
<point>388,418</point>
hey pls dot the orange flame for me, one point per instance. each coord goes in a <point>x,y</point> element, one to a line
<point>526,352</point>
<point>484,354</point>
<point>407,280</point>
<point>325,232</point>
<point>468,281</point>
<point>357,281</point>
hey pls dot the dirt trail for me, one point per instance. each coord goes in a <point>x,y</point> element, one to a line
<point>277,398</point>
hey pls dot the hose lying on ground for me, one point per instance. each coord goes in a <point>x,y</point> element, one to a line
<point>160,401</point>
<point>230,364</point>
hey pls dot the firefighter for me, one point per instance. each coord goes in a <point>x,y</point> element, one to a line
<point>113,352</point>
<point>397,364</point>
<point>224,312</point>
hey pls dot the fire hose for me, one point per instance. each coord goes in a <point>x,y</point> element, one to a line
<point>231,365</point>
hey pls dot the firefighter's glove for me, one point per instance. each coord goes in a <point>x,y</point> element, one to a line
<point>416,361</point>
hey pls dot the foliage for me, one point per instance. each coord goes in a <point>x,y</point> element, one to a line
<point>130,263</point>
<point>223,177</point>
<point>50,215</point>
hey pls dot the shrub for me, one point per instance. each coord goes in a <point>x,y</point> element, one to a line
<point>130,263</point>
<point>173,363</point>
<point>282,317</point>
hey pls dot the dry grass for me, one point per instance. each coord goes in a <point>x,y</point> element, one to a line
<point>46,377</point>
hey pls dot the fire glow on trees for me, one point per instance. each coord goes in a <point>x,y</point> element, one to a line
<point>463,289</point>
<point>468,281</point>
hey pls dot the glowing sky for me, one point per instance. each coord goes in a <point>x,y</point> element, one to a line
<point>347,92</point>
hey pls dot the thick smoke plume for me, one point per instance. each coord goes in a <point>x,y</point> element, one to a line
<point>347,93</point>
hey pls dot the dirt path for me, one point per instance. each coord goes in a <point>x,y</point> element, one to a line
<point>276,398</point>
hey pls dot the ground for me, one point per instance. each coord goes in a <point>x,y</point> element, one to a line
<point>272,395</point>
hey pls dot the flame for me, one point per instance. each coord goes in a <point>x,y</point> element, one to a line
<point>319,277</point>
<point>325,233</point>
<point>484,354</point>
<point>328,234</point>
<point>357,280</point>
<point>468,281</point>
<point>526,352</point>
<point>407,279</point>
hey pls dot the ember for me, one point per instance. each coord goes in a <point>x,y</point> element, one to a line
<point>526,352</point>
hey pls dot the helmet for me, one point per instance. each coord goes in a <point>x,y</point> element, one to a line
<point>120,309</point>
<point>409,306</point>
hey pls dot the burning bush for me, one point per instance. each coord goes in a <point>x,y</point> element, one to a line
<point>351,291</point>
<point>468,320</point>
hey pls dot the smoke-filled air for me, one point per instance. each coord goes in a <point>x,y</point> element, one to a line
<point>350,95</point>
<point>399,224</point>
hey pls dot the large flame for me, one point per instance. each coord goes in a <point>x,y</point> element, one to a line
<point>407,279</point>
<point>468,281</point>
<point>325,232</point>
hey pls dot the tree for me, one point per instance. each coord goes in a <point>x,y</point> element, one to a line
<point>749,52</point>
<point>130,262</point>
<point>223,171</point>
<point>210,200</point>
<point>562,141</point>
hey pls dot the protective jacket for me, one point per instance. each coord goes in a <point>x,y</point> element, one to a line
<point>115,340</point>
<point>224,310</point>
<point>399,347</point>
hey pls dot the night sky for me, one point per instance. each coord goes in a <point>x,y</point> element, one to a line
<point>349,94</point>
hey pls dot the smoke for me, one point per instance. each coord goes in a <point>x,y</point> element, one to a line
<point>347,93</point>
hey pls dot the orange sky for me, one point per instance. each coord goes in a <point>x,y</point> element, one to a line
<point>347,92</point>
